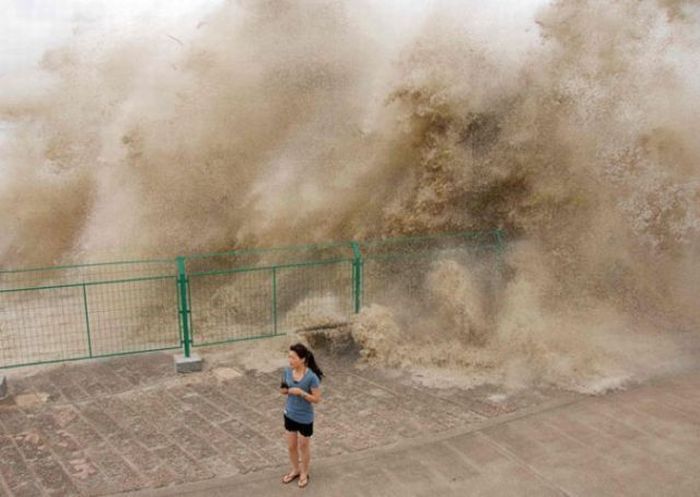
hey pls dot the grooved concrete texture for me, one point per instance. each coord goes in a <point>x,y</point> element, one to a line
<point>132,424</point>
<point>643,442</point>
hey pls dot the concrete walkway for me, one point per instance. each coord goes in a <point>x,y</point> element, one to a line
<point>642,442</point>
<point>132,427</point>
<point>124,424</point>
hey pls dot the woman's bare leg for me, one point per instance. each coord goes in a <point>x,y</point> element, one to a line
<point>305,450</point>
<point>293,447</point>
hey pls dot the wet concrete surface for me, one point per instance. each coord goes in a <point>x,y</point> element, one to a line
<point>131,423</point>
<point>641,442</point>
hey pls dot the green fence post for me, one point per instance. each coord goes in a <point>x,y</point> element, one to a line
<point>87,321</point>
<point>357,276</point>
<point>500,246</point>
<point>499,240</point>
<point>182,283</point>
<point>274,299</point>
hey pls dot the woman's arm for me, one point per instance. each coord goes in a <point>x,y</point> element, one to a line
<point>314,397</point>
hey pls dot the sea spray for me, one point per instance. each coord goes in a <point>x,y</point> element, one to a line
<point>288,122</point>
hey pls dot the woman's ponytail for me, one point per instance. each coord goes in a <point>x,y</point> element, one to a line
<point>308,357</point>
<point>311,363</point>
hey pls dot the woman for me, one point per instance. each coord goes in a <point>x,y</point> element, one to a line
<point>300,383</point>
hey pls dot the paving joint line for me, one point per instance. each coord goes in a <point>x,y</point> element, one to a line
<point>29,467</point>
<point>458,453</point>
<point>60,461</point>
<point>162,463</point>
<point>238,419</point>
<point>689,417</point>
<point>5,486</point>
<point>531,469</point>
<point>447,401</point>
<point>401,445</point>
<point>110,445</point>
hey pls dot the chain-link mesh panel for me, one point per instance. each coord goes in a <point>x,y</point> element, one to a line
<point>42,325</point>
<point>268,258</point>
<point>314,296</point>
<point>72,312</point>
<point>234,305</point>
<point>76,312</point>
<point>255,293</point>
<point>414,276</point>
<point>133,315</point>
<point>85,273</point>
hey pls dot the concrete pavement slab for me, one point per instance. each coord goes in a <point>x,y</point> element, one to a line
<point>131,426</point>
<point>587,446</point>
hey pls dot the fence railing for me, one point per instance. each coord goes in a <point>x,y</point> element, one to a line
<point>67,313</point>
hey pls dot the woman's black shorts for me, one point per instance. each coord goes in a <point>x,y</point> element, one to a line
<point>305,430</point>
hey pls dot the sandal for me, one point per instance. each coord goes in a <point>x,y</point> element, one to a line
<point>290,477</point>
<point>304,481</point>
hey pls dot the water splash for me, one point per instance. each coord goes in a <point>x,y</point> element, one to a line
<point>279,123</point>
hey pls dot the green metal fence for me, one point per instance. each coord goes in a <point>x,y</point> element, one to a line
<point>87,311</point>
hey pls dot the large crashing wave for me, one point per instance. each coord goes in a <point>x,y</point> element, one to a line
<point>284,122</point>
